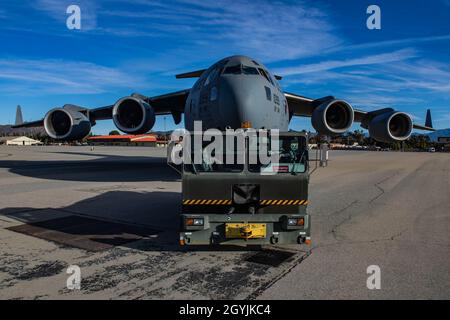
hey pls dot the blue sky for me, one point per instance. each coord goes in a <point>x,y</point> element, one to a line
<point>320,47</point>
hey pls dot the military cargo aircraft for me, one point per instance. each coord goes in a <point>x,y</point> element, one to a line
<point>234,91</point>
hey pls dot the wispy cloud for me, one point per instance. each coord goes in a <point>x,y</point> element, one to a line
<point>62,77</point>
<point>256,27</point>
<point>377,59</point>
<point>388,43</point>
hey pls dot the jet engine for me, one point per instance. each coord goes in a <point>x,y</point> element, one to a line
<point>391,126</point>
<point>67,124</point>
<point>133,115</point>
<point>332,117</point>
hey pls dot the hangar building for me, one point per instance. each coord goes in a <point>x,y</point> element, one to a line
<point>19,141</point>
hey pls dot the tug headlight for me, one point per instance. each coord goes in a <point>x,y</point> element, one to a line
<point>198,222</point>
<point>296,222</point>
<point>195,221</point>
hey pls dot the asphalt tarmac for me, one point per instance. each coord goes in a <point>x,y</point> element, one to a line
<point>387,209</point>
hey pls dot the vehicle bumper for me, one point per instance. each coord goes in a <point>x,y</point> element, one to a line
<point>214,229</point>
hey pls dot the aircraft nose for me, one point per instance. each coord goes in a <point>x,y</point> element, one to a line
<point>240,101</point>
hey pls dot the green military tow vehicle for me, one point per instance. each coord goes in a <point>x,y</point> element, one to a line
<point>249,202</point>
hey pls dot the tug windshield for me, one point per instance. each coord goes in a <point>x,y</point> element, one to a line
<point>220,154</point>
<point>291,155</point>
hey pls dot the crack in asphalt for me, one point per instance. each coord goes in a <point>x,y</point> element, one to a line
<point>391,238</point>
<point>346,242</point>
<point>382,191</point>
<point>348,218</point>
<point>334,229</point>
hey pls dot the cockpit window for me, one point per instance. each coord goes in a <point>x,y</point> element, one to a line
<point>240,69</point>
<point>265,75</point>
<point>249,70</point>
<point>233,70</point>
<point>212,76</point>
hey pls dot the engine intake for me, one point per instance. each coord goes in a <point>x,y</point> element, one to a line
<point>333,117</point>
<point>66,124</point>
<point>391,126</point>
<point>134,116</point>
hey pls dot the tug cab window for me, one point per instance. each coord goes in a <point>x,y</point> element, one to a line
<point>291,156</point>
<point>230,157</point>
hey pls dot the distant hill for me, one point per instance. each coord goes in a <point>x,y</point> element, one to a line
<point>6,130</point>
<point>439,133</point>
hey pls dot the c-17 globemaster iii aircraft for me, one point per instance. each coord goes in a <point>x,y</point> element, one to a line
<point>232,91</point>
<point>238,203</point>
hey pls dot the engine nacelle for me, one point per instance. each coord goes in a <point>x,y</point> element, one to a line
<point>333,117</point>
<point>391,126</point>
<point>134,116</point>
<point>66,124</point>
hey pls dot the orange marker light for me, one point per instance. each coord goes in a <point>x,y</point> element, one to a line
<point>308,242</point>
<point>182,242</point>
<point>190,222</point>
<point>301,222</point>
<point>246,125</point>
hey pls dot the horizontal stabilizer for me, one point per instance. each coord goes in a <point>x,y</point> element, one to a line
<point>198,74</point>
<point>39,123</point>
<point>419,127</point>
<point>192,74</point>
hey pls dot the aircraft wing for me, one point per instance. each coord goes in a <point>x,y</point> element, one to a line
<point>171,103</point>
<point>304,107</point>
<point>299,105</point>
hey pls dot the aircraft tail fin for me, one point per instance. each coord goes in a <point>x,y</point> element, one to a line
<point>428,121</point>
<point>19,117</point>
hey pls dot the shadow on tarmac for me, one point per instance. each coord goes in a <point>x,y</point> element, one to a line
<point>150,217</point>
<point>105,169</point>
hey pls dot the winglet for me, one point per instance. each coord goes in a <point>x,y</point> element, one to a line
<point>428,122</point>
<point>19,117</point>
